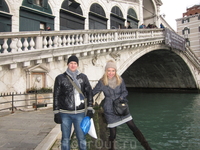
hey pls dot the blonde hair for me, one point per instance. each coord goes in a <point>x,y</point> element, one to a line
<point>105,77</point>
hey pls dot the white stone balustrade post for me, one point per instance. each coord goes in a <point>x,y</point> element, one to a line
<point>77,39</point>
<point>25,44</point>
<point>64,40</point>
<point>137,34</point>
<point>86,38</point>
<point>44,42</point>
<point>13,45</point>
<point>55,41</point>
<point>73,39</point>
<point>81,39</point>
<point>32,44</point>
<point>68,39</point>
<point>19,45</point>
<point>115,36</point>
<point>59,41</point>
<point>5,46</point>
<point>39,42</point>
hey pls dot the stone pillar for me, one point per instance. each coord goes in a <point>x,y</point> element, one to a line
<point>141,12</point>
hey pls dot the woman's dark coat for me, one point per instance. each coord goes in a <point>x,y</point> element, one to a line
<point>110,95</point>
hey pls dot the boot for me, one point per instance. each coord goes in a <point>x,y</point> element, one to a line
<point>141,139</point>
<point>111,144</point>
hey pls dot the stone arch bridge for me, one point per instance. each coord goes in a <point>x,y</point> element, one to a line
<point>144,58</point>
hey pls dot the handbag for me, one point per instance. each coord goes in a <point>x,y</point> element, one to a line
<point>120,107</point>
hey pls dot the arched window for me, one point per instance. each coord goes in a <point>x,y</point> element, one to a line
<point>41,3</point>
<point>71,16</point>
<point>97,17</point>
<point>116,18</point>
<point>132,18</point>
<point>35,15</point>
<point>186,31</point>
<point>5,18</point>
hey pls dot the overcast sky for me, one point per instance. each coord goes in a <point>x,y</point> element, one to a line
<point>174,9</point>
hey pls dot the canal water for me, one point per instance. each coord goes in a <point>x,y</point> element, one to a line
<point>168,120</point>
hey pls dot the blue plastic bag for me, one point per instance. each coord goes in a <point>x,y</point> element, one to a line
<point>85,124</point>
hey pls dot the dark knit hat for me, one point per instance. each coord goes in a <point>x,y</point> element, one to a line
<point>72,58</point>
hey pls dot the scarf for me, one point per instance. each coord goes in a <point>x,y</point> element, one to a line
<point>79,98</point>
<point>112,83</point>
<point>73,75</point>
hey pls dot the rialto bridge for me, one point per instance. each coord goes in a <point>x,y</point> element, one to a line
<point>144,59</point>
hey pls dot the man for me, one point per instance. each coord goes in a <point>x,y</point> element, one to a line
<point>129,25</point>
<point>68,103</point>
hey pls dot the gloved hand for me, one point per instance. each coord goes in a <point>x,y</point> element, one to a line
<point>57,118</point>
<point>90,113</point>
<point>123,100</point>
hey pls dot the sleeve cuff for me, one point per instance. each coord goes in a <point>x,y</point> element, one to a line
<point>56,111</point>
<point>90,108</point>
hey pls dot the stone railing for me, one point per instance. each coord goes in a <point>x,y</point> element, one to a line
<point>36,40</point>
<point>36,45</point>
<point>192,57</point>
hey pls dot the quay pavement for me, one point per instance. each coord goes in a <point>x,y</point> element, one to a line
<point>28,130</point>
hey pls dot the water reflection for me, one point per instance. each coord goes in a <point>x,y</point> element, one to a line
<point>169,121</point>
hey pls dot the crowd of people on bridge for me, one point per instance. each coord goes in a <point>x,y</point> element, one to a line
<point>150,26</point>
<point>142,26</point>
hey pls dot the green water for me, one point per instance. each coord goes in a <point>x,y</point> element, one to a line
<point>169,121</point>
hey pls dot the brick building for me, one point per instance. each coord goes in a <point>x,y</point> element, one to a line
<point>192,11</point>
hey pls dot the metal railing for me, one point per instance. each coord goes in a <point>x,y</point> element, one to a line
<point>21,101</point>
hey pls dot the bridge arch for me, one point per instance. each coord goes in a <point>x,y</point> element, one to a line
<point>157,67</point>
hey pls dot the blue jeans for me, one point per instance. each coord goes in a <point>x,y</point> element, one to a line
<point>67,120</point>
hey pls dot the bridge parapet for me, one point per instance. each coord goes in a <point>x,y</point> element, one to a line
<point>36,45</point>
<point>43,54</point>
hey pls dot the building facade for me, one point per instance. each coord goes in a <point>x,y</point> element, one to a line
<point>35,15</point>
<point>189,27</point>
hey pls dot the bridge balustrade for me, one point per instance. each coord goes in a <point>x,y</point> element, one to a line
<point>21,42</point>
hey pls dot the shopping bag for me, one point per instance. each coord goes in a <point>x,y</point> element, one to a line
<point>85,124</point>
<point>92,130</point>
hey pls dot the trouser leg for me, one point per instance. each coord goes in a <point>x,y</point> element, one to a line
<point>138,134</point>
<point>66,130</point>
<point>112,138</point>
<point>77,118</point>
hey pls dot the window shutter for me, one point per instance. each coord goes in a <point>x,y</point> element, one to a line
<point>1,2</point>
<point>45,3</point>
<point>30,1</point>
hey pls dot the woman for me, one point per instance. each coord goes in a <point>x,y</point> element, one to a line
<point>114,87</point>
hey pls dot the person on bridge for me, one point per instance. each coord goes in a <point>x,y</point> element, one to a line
<point>69,105</point>
<point>114,87</point>
<point>128,25</point>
